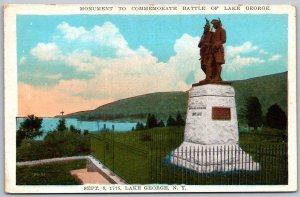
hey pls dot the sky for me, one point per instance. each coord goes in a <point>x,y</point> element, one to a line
<point>79,62</point>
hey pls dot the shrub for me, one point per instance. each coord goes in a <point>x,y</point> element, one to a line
<point>55,144</point>
<point>62,144</point>
<point>30,150</point>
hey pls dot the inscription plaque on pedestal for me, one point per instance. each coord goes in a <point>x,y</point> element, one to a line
<point>221,113</point>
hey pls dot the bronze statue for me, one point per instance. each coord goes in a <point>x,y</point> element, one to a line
<point>205,51</point>
<point>212,51</point>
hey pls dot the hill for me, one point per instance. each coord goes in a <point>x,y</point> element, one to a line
<point>269,90</point>
<point>162,104</point>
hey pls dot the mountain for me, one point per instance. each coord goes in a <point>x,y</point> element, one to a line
<point>269,90</point>
<point>162,104</point>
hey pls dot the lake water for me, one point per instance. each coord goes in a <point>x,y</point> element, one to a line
<point>49,124</point>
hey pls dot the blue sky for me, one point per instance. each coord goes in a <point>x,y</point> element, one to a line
<point>86,55</point>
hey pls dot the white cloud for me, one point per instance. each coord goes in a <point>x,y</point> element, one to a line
<point>239,62</point>
<point>137,74</point>
<point>275,58</point>
<point>128,73</point>
<point>107,35</point>
<point>23,60</point>
<point>261,51</point>
<point>246,47</point>
<point>46,52</point>
<point>71,33</point>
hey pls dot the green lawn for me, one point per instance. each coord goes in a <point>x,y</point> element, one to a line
<point>138,157</point>
<point>57,173</point>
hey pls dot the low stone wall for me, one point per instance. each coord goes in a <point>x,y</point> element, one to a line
<point>94,165</point>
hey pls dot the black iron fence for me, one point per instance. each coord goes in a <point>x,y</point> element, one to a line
<point>148,160</point>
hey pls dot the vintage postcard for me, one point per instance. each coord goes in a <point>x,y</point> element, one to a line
<point>150,98</point>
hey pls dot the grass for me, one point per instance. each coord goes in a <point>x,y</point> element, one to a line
<point>130,151</point>
<point>57,173</point>
<point>138,157</point>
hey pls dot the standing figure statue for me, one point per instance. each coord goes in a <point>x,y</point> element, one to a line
<point>218,39</point>
<point>212,51</point>
<point>205,45</point>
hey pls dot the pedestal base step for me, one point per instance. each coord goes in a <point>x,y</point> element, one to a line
<point>212,158</point>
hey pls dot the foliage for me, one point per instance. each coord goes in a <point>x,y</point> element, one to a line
<point>139,126</point>
<point>161,123</point>
<point>179,120</point>
<point>253,112</point>
<point>171,121</point>
<point>85,132</point>
<point>55,144</point>
<point>62,144</point>
<point>276,117</point>
<point>30,150</point>
<point>29,129</point>
<point>151,121</point>
<point>61,125</point>
<point>74,130</point>
<point>57,173</point>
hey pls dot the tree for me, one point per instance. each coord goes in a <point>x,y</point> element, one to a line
<point>61,126</point>
<point>29,129</point>
<point>179,120</point>
<point>171,121</point>
<point>253,112</point>
<point>139,126</point>
<point>161,124</point>
<point>74,129</point>
<point>151,121</point>
<point>276,117</point>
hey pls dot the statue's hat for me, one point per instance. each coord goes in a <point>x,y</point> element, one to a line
<point>215,21</point>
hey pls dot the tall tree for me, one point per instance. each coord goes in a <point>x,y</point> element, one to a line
<point>179,119</point>
<point>151,121</point>
<point>29,129</point>
<point>253,112</point>
<point>171,121</point>
<point>276,117</point>
<point>161,124</point>
<point>61,125</point>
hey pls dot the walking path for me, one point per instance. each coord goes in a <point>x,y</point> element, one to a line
<point>86,177</point>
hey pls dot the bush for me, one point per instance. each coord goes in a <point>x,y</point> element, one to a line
<point>62,144</point>
<point>30,150</point>
<point>55,144</point>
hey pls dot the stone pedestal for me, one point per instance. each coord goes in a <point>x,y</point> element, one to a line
<point>211,132</point>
